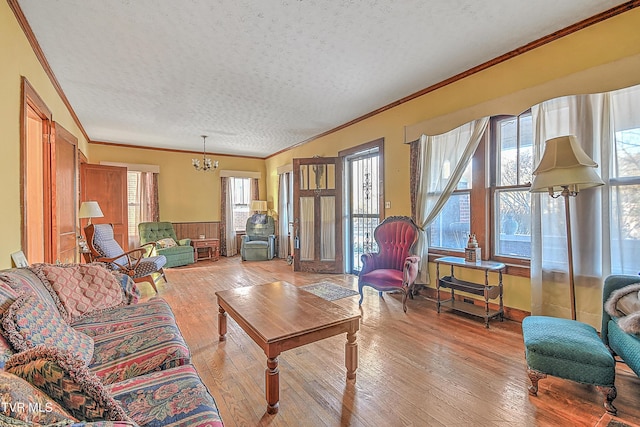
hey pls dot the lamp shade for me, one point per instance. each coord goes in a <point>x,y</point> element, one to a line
<point>564,164</point>
<point>258,205</point>
<point>90,209</point>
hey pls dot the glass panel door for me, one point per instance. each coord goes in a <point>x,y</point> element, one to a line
<point>317,234</point>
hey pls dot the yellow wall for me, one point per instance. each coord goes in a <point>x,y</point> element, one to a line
<point>546,68</point>
<point>605,56</point>
<point>185,195</point>
<point>601,57</point>
<point>17,59</point>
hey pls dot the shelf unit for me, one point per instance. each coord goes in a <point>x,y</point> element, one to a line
<point>487,291</point>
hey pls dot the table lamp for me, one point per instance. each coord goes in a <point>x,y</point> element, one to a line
<point>90,209</point>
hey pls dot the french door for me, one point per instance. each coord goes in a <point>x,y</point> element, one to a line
<point>317,207</point>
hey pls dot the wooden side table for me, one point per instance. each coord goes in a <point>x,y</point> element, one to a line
<point>206,249</point>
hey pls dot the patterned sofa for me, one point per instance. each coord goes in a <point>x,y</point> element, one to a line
<point>78,348</point>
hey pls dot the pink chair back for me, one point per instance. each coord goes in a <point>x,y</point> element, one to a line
<point>396,236</point>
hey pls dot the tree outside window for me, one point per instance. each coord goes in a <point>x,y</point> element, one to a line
<point>512,160</point>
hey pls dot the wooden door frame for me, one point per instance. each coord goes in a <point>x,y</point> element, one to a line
<point>30,98</point>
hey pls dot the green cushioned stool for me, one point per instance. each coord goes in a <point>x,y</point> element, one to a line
<point>571,350</point>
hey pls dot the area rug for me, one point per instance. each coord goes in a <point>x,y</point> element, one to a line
<point>329,291</point>
<point>610,421</point>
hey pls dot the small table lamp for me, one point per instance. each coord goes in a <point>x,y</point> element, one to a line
<point>564,170</point>
<point>258,206</point>
<point>90,209</point>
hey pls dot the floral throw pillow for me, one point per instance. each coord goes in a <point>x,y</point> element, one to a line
<point>65,378</point>
<point>28,322</point>
<point>7,297</point>
<point>22,401</point>
<point>82,289</point>
<point>167,242</point>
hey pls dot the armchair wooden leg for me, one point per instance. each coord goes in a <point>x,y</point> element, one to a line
<point>405,296</point>
<point>609,394</point>
<point>148,279</point>
<point>161,271</point>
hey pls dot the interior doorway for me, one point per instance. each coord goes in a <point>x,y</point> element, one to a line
<point>364,200</point>
<point>35,177</point>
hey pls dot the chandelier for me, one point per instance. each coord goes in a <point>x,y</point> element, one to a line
<point>207,164</point>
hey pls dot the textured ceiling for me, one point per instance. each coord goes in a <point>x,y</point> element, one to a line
<point>261,76</point>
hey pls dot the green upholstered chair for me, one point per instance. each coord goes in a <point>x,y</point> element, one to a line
<point>623,344</point>
<point>180,254</point>
<point>259,242</point>
<point>571,350</point>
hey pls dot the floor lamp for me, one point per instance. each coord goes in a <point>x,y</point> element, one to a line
<point>564,170</point>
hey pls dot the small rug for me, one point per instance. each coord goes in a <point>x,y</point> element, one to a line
<point>609,421</point>
<point>329,291</point>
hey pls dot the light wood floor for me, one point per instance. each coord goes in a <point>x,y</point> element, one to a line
<point>415,369</point>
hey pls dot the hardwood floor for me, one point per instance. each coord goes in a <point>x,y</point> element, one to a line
<point>415,369</point>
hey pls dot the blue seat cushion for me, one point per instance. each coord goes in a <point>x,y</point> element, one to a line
<point>567,349</point>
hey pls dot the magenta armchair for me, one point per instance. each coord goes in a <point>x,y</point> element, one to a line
<point>393,268</point>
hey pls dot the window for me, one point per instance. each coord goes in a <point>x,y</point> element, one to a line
<point>133,203</point>
<point>241,200</point>
<point>492,199</point>
<point>452,226</point>
<point>625,200</point>
<point>142,202</point>
<point>511,175</point>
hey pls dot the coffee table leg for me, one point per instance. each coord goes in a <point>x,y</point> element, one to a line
<point>222,323</point>
<point>351,355</point>
<point>272,385</point>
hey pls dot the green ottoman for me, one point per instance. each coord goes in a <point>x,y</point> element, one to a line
<point>571,350</point>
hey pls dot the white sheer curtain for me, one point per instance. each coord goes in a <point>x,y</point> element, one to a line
<point>307,221</point>
<point>327,228</point>
<point>283,216</point>
<point>435,186</point>
<point>230,232</point>
<point>141,198</point>
<point>598,235</point>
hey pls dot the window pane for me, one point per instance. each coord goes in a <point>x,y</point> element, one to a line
<point>451,228</point>
<point>240,217</point>
<point>466,178</point>
<point>507,152</point>
<point>515,150</point>
<point>627,153</point>
<point>133,211</point>
<point>513,223</point>
<point>625,241</point>
<point>525,156</point>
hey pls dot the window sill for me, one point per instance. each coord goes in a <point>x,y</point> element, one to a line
<point>511,270</point>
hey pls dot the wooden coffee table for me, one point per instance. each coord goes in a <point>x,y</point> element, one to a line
<point>278,317</point>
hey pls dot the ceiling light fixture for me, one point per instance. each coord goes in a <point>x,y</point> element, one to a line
<point>207,164</point>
